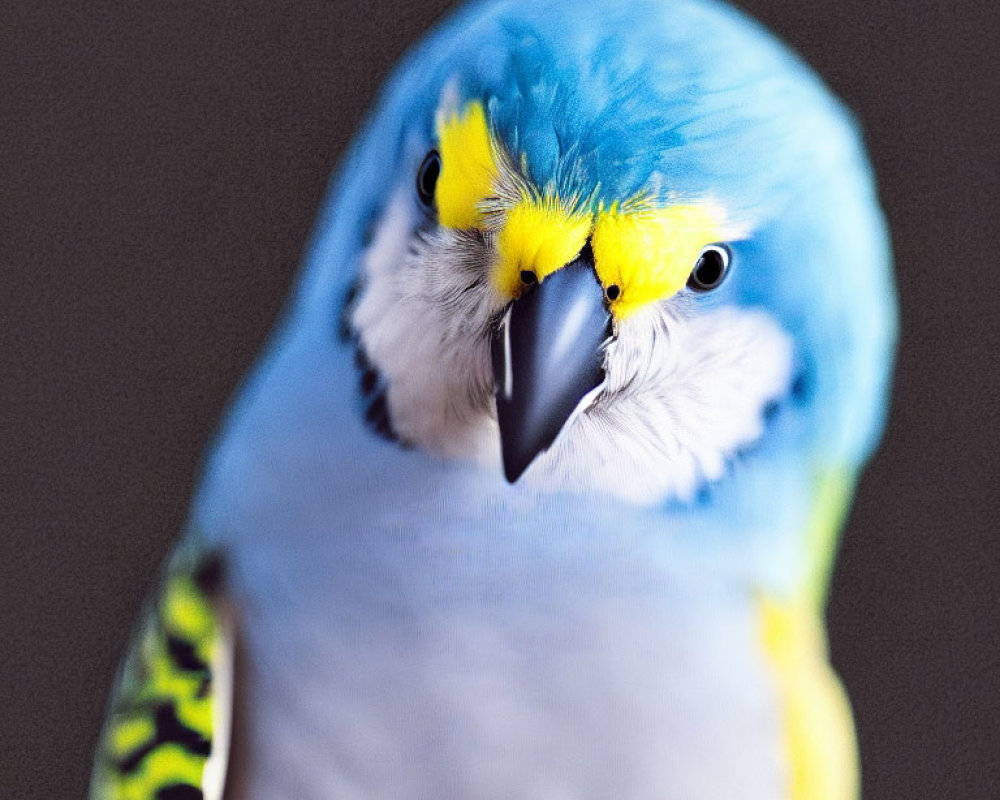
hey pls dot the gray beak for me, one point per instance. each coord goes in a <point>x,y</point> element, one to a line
<point>548,360</point>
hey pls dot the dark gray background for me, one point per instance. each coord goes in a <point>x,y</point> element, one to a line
<point>160,170</point>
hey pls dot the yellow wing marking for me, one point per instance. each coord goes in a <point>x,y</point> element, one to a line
<point>819,740</point>
<point>818,731</point>
<point>167,732</point>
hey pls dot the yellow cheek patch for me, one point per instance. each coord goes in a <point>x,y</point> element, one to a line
<point>468,167</point>
<point>649,253</point>
<point>538,234</point>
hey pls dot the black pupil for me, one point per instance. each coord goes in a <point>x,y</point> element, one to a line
<point>709,269</point>
<point>427,177</point>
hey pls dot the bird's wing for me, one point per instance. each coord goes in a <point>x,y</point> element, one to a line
<point>833,488</point>
<point>819,739</point>
<point>168,728</point>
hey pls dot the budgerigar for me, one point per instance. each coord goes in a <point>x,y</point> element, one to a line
<point>535,492</point>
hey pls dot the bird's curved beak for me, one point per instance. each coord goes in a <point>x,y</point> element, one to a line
<point>548,360</point>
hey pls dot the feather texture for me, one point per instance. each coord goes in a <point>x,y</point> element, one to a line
<point>639,617</point>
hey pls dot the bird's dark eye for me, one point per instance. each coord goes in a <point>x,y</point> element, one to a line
<point>710,269</point>
<point>427,176</point>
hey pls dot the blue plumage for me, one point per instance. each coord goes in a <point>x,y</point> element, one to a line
<point>417,627</point>
<point>693,98</point>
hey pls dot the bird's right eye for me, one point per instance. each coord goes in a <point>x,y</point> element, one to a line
<point>427,177</point>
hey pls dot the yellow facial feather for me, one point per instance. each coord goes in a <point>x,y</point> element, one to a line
<point>540,235</point>
<point>468,166</point>
<point>649,253</point>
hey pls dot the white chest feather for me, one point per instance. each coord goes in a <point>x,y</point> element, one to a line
<point>401,664</point>
<point>414,630</point>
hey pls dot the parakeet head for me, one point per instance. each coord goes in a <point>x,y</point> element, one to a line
<point>616,252</point>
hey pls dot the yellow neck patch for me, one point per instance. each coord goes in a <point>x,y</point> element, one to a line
<point>649,253</point>
<point>468,167</point>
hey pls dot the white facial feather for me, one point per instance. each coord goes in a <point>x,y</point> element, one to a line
<point>424,319</point>
<point>686,387</point>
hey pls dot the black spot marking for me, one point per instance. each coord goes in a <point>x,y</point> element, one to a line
<point>210,574</point>
<point>368,231</point>
<point>183,654</point>
<point>377,408</point>
<point>384,429</point>
<point>179,791</point>
<point>378,418</point>
<point>771,410</point>
<point>344,328</point>
<point>801,387</point>
<point>169,730</point>
<point>369,380</point>
<point>373,388</point>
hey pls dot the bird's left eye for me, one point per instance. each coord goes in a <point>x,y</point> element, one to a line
<point>427,176</point>
<point>710,269</point>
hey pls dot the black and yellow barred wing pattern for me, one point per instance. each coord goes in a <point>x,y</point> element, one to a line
<point>168,727</point>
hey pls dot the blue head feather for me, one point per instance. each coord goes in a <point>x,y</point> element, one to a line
<point>677,100</point>
<point>607,100</point>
